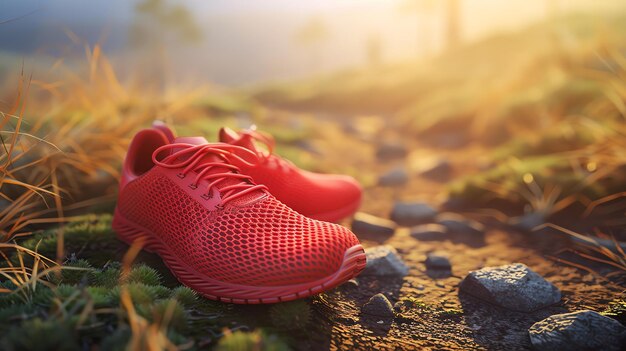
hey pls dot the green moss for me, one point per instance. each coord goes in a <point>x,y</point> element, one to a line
<point>74,272</point>
<point>416,303</point>
<point>42,295</point>
<point>117,340</point>
<point>12,314</point>
<point>8,298</point>
<point>256,340</point>
<point>99,296</point>
<point>38,334</point>
<point>450,312</point>
<point>617,310</point>
<point>291,315</point>
<point>90,231</point>
<point>187,297</point>
<point>168,312</point>
<point>107,277</point>
<point>65,292</point>
<point>144,275</point>
<point>139,293</point>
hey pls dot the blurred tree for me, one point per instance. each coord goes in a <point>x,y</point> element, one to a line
<point>373,50</point>
<point>453,25</point>
<point>158,22</point>
<point>423,9</point>
<point>312,34</point>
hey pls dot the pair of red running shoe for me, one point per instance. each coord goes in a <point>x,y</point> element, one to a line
<point>236,223</point>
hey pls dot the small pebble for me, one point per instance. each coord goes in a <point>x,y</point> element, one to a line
<point>366,224</point>
<point>379,306</point>
<point>455,223</point>
<point>383,260</point>
<point>412,213</point>
<point>395,177</point>
<point>429,232</point>
<point>437,261</point>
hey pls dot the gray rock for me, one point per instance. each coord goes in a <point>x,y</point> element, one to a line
<point>429,232</point>
<point>512,286</point>
<point>389,151</point>
<point>439,170</point>
<point>437,261</point>
<point>451,140</point>
<point>378,306</point>
<point>454,203</point>
<point>582,330</point>
<point>528,221</point>
<point>365,224</point>
<point>438,266</point>
<point>384,261</point>
<point>455,223</point>
<point>410,214</point>
<point>395,177</point>
<point>350,284</point>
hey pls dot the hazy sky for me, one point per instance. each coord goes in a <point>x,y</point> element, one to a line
<point>247,41</point>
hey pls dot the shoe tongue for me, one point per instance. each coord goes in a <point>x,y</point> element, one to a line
<point>229,136</point>
<point>210,157</point>
<point>191,140</point>
<point>246,141</point>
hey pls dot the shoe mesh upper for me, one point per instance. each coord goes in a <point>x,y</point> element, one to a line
<point>263,243</point>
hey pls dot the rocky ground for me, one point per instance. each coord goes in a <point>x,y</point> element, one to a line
<point>404,210</point>
<point>440,275</point>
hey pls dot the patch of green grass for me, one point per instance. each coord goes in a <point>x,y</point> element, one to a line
<point>291,315</point>
<point>185,296</point>
<point>417,303</point>
<point>412,303</point>
<point>89,237</point>
<point>226,104</point>
<point>40,334</point>
<point>84,304</point>
<point>507,180</point>
<point>617,310</point>
<point>256,340</point>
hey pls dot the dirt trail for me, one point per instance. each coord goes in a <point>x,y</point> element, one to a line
<point>470,324</point>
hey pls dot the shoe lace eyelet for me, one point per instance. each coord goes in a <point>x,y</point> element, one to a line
<point>193,186</point>
<point>181,175</point>
<point>207,196</point>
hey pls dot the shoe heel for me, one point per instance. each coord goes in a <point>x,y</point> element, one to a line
<point>128,232</point>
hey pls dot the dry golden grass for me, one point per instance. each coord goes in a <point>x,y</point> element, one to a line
<point>145,335</point>
<point>25,279</point>
<point>66,154</point>
<point>606,250</point>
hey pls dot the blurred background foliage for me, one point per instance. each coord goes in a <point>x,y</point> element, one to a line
<point>525,99</point>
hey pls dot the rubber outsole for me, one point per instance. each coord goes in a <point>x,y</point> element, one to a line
<point>353,263</point>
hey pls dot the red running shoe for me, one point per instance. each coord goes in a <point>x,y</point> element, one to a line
<point>325,197</point>
<point>218,232</point>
